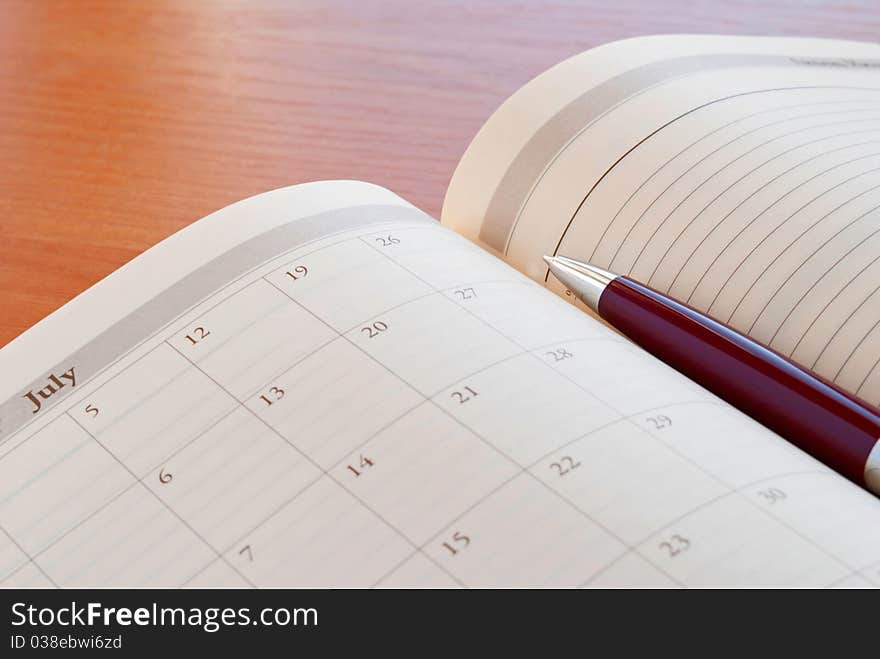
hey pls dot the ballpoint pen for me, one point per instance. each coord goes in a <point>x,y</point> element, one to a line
<point>817,416</point>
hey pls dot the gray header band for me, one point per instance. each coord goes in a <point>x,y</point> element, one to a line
<point>118,339</point>
<point>550,139</point>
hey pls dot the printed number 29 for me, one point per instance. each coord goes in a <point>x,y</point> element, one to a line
<point>675,545</point>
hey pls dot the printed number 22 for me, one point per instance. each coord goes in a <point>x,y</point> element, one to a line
<point>675,545</point>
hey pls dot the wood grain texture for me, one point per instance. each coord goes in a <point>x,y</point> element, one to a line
<point>122,122</point>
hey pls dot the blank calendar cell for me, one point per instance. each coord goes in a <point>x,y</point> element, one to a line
<point>423,471</point>
<point>217,575</point>
<point>853,581</point>
<point>620,375</point>
<point>53,481</point>
<point>236,472</point>
<point>722,441</point>
<point>524,312</point>
<point>11,557</point>
<point>631,571</point>
<point>152,408</point>
<point>627,480</point>
<point>324,537</point>
<point>522,536</point>
<point>418,571</point>
<point>525,408</point>
<point>27,576</point>
<point>135,541</point>
<point>730,542</point>
<point>440,258</point>
<point>811,503</point>
<point>250,337</point>
<point>431,343</point>
<point>347,283</point>
<point>872,573</point>
<point>337,377</point>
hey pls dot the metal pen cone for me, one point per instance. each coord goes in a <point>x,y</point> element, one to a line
<point>586,281</point>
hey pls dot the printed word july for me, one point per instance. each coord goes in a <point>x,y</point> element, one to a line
<point>54,385</point>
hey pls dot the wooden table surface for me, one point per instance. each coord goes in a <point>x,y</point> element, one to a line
<point>121,122</point>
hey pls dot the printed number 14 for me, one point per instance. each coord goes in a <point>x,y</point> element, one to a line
<point>363,463</point>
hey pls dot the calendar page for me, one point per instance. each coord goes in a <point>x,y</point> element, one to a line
<point>321,386</point>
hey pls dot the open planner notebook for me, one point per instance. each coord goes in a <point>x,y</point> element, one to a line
<point>322,386</point>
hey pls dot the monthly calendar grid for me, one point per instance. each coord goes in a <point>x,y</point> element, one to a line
<point>525,470</point>
<point>221,552</point>
<point>426,399</point>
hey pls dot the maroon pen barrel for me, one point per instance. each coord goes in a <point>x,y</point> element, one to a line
<point>810,412</point>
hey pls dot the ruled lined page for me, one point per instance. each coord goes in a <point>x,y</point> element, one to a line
<point>739,175</point>
<point>353,395</point>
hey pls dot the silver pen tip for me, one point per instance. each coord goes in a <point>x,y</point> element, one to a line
<point>586,281</point>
